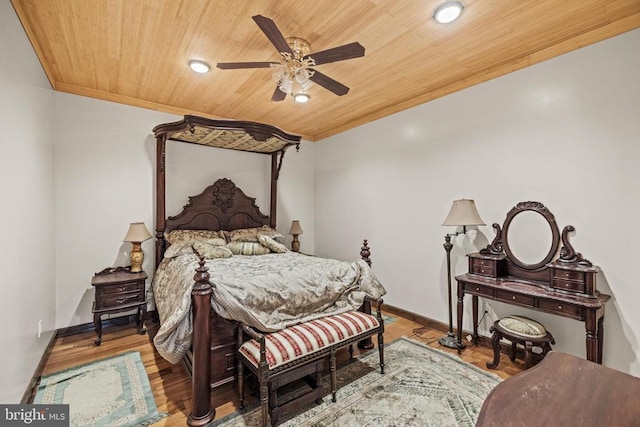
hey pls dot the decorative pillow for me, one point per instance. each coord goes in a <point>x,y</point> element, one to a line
<point>176,236</point>
<point>210,251</point>
<point>522,326</point>
<point>178,249</point>
<point>247,248</point>
<point>251,234</point>
<point>273,246</point>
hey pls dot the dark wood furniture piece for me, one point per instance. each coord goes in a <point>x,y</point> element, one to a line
<point>565,287</point>
<point>310,363</point>
<point>118,290</point>
<point>528,342</point>
<point>221,206</point>
<point>563,390</point>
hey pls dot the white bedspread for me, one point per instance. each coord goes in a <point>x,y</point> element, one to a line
<point>268,292</point>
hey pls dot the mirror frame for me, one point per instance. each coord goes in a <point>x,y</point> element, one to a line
<point>555,232</point>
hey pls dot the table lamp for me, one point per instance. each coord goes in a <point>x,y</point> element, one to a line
<point>295,230</point>
<point>137,234</point>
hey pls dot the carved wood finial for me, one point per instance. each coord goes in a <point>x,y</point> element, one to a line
<point>567,253</point>
<point>201,278</point>
<point>365,253</point>
<point>495,248</point>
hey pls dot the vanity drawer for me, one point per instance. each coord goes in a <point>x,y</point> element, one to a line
<point>568,285</point>
<point>568,310</point>
<point>485,266</point>
<point>479,290</point>
<point>513,298</point>
<point>568,274</point>
<point>483,271</point>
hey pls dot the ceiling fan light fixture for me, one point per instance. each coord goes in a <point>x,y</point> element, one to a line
<point>448,12</point>
<point>301,97</point>
<point>198,66</point>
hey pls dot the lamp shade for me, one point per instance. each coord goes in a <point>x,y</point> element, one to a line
<point>463,212</point>
<point>137,233</point>
<point>295,227</point>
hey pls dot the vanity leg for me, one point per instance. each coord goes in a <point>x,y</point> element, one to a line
<point>460,311</point>
<point>474,306</point>
<point>600,338</point>
<point>591,326</point>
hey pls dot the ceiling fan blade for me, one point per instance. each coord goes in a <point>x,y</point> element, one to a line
<point>278,95</point>
<point>272,32</point>
<point>237,65</point>
<point>328,83</point>
<point>340,53</point>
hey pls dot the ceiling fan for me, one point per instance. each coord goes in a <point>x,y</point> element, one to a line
<point>296,73</point>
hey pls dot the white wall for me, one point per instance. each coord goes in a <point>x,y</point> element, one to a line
<point>105,179</point>
<point>26,190</point>
<point>565,132</point>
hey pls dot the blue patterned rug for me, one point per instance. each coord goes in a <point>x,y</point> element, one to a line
<point>422,386</point>
<point>110,392</point>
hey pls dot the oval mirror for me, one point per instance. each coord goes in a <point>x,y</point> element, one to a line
<point>530,235</point>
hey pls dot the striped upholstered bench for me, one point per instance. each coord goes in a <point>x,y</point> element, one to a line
<point>279,358</point>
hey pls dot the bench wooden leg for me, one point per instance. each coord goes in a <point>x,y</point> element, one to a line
<point>528,354</point>
<point>495,344</point>
<point>332,369</point>
<point>241,383</point>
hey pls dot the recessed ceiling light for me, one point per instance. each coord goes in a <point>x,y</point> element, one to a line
<point>448,12</point>
<point>199,66</point>
<point>301,97</point>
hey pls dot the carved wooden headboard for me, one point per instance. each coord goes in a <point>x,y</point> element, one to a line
<point>221,206</point>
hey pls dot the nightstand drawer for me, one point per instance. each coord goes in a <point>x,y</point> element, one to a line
<point>486,265</point>
<point>118,300</point>
<point>568,274</point>
<point>120,288</point>
<point>513,298</point>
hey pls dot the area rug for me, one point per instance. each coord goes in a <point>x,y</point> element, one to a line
<point>421,386</point>
<point>110,392</point>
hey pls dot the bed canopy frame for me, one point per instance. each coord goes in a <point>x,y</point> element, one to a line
<point>197,214</point>
<point>228,134</point>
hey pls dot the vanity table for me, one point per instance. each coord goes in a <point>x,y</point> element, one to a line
<point>530,276</point>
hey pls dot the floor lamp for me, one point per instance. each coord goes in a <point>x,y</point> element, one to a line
<point>463,213</point>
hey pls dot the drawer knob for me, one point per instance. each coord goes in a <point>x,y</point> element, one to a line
<point>559,307</point>
<point>514,298</point>
<point>566,274</point>
<point>477,288</point>
<point>120,300</point>
<point>121,288</point>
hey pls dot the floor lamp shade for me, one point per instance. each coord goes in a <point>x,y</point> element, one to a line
<point>137,234</point>
<point>463,212</point>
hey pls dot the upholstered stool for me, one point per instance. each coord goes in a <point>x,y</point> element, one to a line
<point>519,330</point>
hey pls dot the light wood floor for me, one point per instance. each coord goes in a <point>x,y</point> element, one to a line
<point>172,387</point>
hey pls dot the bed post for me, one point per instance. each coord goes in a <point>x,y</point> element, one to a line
<point>160,196</point>
<point>201,412</point>
<point>366,343</point>
<point>274,190</point>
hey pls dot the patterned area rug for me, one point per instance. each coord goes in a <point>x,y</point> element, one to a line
<point>109,392</point>
<point>421,386</point>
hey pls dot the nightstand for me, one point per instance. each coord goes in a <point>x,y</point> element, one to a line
<point>118,290</point>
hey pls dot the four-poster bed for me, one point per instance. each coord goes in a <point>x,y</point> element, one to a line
<point>224,208</point>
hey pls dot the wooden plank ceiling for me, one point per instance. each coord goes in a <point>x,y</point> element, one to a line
<point>136,51</point>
